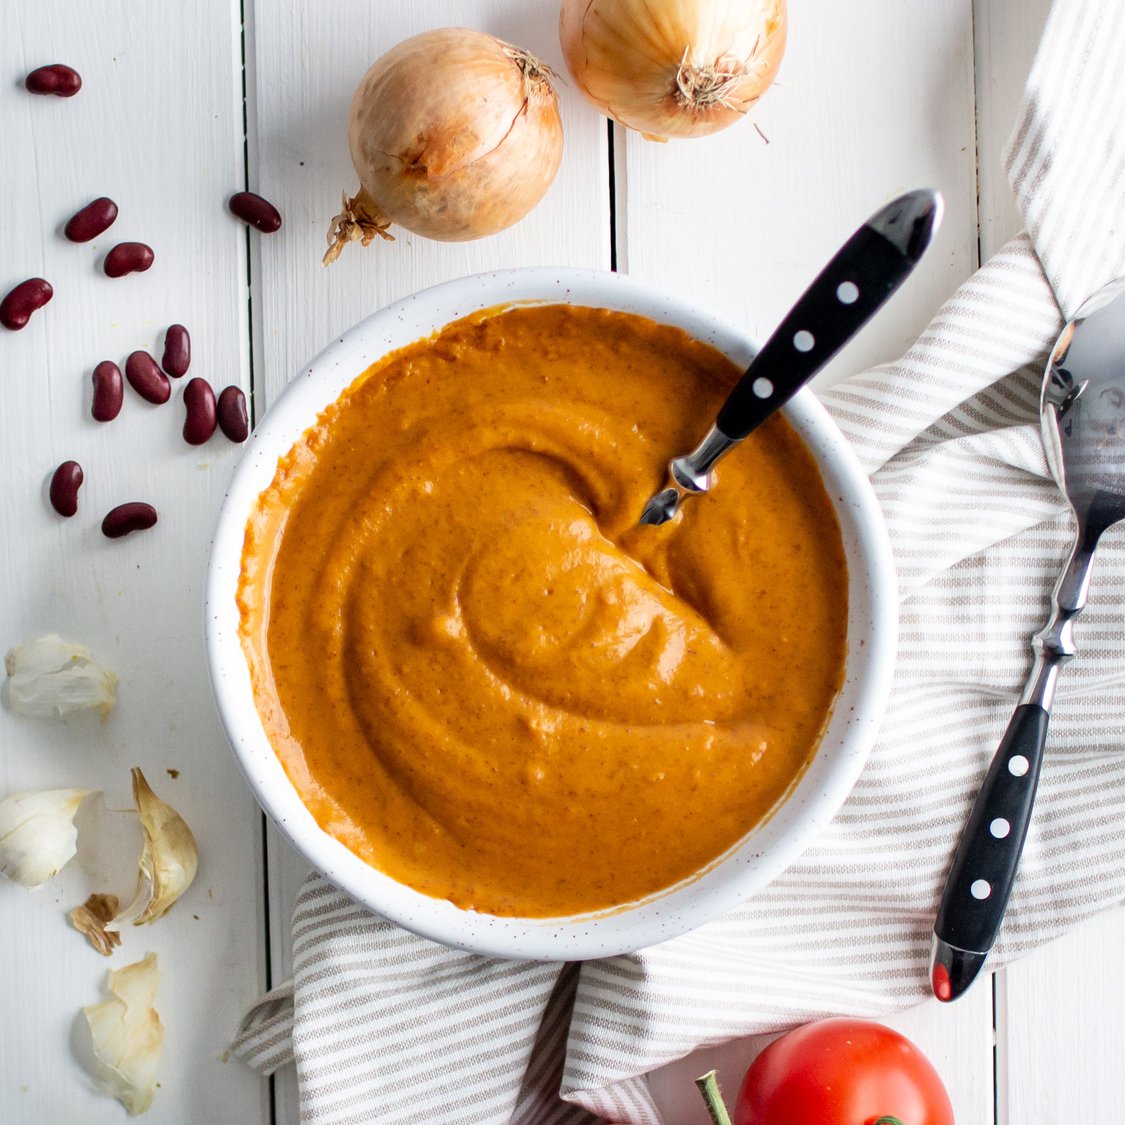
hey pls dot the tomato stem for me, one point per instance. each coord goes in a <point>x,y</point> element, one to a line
<point>709,1088</point>
<point>887,1119</point>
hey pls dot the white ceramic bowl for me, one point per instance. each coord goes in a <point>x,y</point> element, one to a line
<point>758,857</point>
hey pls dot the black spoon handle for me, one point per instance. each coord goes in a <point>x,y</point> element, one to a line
<point>868,268</point>
<point>984,867</point>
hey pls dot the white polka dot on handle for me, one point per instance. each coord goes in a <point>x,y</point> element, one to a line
<point>847,292</point>
<point>804,341</point>
<point>999,828</point>
<point>762,387</point>
<point>980,888</point>
<point>1018,765</point>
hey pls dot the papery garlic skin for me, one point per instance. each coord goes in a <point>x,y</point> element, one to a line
<point>168,862</point>
<point>90,920</point>
<point>37,834</point>
<point>128,1036</point>
<point>50,678</point>
<point>682,69</point>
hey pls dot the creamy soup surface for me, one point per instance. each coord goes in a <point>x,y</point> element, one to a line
<point>480,673</point>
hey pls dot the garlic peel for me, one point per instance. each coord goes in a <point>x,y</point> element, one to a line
<point>169,859</point>
<point>50,678</point>
<point>37,833</point>
<point>90,920</point>
<point>128,1036</point>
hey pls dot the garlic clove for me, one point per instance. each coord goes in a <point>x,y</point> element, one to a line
<point>128,1036</point>
<point>37,833</point>
<point>50,678</point>
<point>90,919</point>
<point>168,861</point>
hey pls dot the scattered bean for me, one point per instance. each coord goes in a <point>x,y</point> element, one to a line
<point>94,219</point>
<point>233,419</point>
<point>58,79</point>
<point>126,518</point>
<point>109,391</point>
<point>177,351</point>
<point>128,257</point>
<point>260,213</point>
<point>146,378</point>
<point>199,400</point>
<point>16,308</point>
<point>64,488</point>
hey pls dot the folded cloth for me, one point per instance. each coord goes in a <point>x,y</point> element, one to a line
<point>385,1026</point>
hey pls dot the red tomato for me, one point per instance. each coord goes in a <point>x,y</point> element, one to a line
<point>842,1072</point>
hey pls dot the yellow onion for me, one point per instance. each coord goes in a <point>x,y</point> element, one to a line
<point>680,68</point>
<point>455,135</point>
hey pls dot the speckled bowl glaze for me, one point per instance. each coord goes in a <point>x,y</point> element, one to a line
<point>764,852</point>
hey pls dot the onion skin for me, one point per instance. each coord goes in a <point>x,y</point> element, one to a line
<point>683,68</point>
<point>455,135</point>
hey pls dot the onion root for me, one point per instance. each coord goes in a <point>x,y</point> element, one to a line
<point>700,87</point>
<point>360,220</point>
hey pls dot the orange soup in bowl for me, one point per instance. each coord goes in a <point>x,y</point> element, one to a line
<point>481,674</point>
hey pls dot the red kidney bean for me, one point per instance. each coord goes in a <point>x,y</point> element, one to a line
<point>177,351</point>
<point>109,391</point>
<point>199,401</point>
<point>94,219</point>
<point>16,308</point>
<point>146,378</point>
<point>58,79</point>
<point>128,257</point>
<point>126,518</point>
<point>260,213</point>
<point>64,488</point>
<point>233,419</point>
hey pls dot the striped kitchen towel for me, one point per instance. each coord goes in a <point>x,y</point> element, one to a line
<point>384,1026</point>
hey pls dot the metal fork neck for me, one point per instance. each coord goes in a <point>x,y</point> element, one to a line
<point>1054,644</point>
<point>692,472</point>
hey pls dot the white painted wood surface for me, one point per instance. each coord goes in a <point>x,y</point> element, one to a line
<point>157,126</point>
<point>874,97</point>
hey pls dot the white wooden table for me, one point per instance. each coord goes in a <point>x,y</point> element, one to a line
<point>875,96</point>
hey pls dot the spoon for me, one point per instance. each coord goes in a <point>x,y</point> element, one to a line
<point>1082,415</point>
<point>866,270</point>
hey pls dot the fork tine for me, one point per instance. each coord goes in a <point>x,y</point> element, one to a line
<point>661,508</point>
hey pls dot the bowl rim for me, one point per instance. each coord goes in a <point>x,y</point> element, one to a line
<point>750,864</point>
